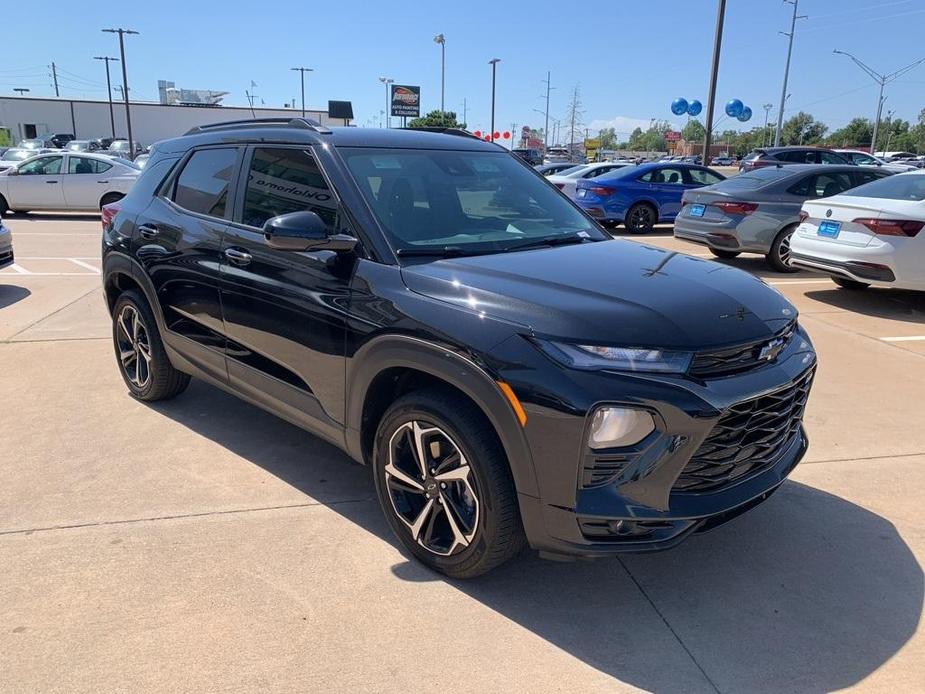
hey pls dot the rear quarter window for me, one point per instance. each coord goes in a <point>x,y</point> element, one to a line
<point>203,184</point>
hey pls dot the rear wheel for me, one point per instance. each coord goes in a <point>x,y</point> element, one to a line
<point>779,256</point>
<point>110,198</point>
<point>845,283</point>
<point>641,218</point>
<point>444,484</point>
<point>728,255</point>
<point>3,206</point>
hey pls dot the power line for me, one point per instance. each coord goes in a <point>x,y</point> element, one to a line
<point>859,21</point>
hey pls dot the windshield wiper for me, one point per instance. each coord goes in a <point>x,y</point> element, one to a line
<point>440,252</point>
<point>561,240</point>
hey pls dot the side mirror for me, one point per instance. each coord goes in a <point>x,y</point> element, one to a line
<point>304,231</point>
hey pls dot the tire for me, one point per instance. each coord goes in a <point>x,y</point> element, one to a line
<point>778,257</point>
<point>481,535</point>
<point>4,207</point>
<point>845,283</point>
<point>110,197</point>
<point>728,255</point>
<point>640,218</point>
<point>148,378</point>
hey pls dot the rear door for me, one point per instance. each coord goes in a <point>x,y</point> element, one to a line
<point>667,186</point>
<point>285,311</point>
<point>85,182</point>
<point>178,240</point>
<point>39,185</point>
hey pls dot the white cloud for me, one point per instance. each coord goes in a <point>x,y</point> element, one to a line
<point>624,125</point>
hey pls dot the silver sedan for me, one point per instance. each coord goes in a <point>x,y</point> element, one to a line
<point>66,181</point>
<point>758,211</point>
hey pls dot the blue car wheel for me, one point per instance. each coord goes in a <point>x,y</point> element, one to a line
<point>641,218</point>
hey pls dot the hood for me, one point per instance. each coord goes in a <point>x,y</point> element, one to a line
<point>610,292</point>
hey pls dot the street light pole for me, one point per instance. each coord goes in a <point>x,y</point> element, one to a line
<point>302,71</point>
<point>388,113</point>
<point>546,126</point>
<point>882,80</point>
<point>112,117</point>
<point>714,72</point>
<point>441,39</point>
<point>494,64</point>
<point>128,114</point>
<point>783,91</point>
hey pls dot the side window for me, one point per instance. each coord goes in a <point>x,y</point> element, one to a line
<point>701,177</point>
<point>85,165</point>
<point>668,176</point>
<point>827,185</point>
<point>284,180</point>
<point>803,187</point>
<point>202,185</point>
<point>648,177</point>
<point>829,158</point>
<point>862,177</point>
<point>47,166</point>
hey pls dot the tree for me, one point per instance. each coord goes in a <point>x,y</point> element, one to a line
<point>802,129</point>
<point>437,119</point>
<point>608,138</point>
<point>693,131</point>
<point>858,132</point>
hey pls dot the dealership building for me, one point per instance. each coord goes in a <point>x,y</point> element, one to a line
<point>25,117</point>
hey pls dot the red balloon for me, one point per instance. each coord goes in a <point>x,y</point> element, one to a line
<point>496,135</point>
<point>506,135</point>
<point>488,138</point>
<point>477,133</point>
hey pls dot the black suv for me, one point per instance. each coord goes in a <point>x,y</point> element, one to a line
<point>774,156</point>
<point>435,308</point>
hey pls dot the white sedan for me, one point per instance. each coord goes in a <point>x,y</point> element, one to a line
<point>567,181</point>
<point>856,156</point>
<point>869,235</point>
<point>66,181</point>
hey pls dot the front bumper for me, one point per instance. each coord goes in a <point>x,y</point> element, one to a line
<point>642,508</point>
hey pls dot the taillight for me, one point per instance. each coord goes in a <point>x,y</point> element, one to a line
<point>108,214</point>
<point>602,191</point>
<point>804,215</point>
<point>736,207</point>
<point>891,227</point>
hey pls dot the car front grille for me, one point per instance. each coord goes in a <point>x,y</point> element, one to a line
<point>738,359</point>
<point>748,438</point>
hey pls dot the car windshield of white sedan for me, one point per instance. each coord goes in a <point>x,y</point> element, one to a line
<point>470,202</point>
<point>899,187</point>
<point>17,154</point>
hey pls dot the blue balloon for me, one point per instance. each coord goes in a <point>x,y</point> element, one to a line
<point>745,115</point>
<point>734,108</point>
<point>679,106</point>
<point>694,108</point>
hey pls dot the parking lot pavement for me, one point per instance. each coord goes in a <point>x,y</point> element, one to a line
<point>201,544</point>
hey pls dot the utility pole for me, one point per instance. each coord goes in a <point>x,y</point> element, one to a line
<point>889,131</point>
<point>767,110</point>
<point>465,112</point>
<point>494,64</point>
<point>250,102</point>
<point>441,39</point>
<point>575,114</point>
<point>128,113</point>
<point>882,80</point>
<point>783,91</point>
<point>54,76</point>
<point>386,81</point>
<point>714,73</point>
<point>112,117</point>
<point>302,71</point>
<point>546,125</point>
<point>513,130</point>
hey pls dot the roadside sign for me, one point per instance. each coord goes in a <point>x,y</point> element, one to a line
<point>406,101</point>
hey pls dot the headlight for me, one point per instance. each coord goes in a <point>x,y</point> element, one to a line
<point>613,427</point>
<point>617,358</point>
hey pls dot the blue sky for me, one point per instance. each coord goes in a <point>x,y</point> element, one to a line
<point>630,57</point>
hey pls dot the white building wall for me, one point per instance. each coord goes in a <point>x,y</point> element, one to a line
<point>150,122</point>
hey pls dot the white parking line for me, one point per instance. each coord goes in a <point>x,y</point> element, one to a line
<point>82,264</point>
<point>785,282</point>
<point>19,270</point>
<point>57,257</point>
<point>904,338</point>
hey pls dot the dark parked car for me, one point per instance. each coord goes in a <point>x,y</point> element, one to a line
<point>432,306</point>
<point>775,156</point>
<point>553,169</point>
<point>104,142</point>
<point>532,156</point>
<point>82,146</point>
<point>60,140</point>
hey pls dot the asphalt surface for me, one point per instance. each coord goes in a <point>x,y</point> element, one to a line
<point>201,544</point>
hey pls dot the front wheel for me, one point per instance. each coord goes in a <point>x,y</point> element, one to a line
<point>728,255</point>
<point>845,283</point>
<point>444,484</point>
<point>778,256</point>
<point>641,218</point>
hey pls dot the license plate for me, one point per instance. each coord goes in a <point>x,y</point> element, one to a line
<point>829,228</point>
<point>697,210</point>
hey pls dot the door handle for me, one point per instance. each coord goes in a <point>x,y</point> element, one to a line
<point>51,182</point>
<point>238,257</point>
<point>149,231</point>
<point>105,181</point>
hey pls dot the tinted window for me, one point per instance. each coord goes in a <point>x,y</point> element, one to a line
<point>669,176</point>
<point>898,187</point>
<point>85,165</point>
<point>862,177</point>
<point>702,177</point>
<point>797,156</point>
<point>286,180</point>
<point>822,185</point>
<point>203,184</point>
<point>42,165</point>
<point>832,158</point>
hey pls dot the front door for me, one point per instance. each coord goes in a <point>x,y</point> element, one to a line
<point>667,186</point>
<point>85,182</point>
<point>178,241</point>
<point>38,185</point>
<point>285,311</point>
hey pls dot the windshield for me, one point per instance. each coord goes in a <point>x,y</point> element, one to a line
<point>572,170</point>
<point>476,202</point>
<point>17,155</point>
<point>909,186</point>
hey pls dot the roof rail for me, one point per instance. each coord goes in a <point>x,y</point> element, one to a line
<point>303,123</point>
<point>446,131</point>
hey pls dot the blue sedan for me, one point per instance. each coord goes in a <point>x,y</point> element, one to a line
<point>641,196</point>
